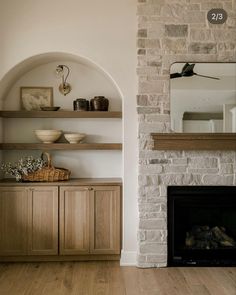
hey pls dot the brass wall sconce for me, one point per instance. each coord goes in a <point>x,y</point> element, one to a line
<point>63,71</point>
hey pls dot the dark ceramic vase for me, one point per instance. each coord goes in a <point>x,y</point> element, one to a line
<point>99,103</point>
<point>81,104</point>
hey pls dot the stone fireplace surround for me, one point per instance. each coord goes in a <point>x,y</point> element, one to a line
<point>174,31</point>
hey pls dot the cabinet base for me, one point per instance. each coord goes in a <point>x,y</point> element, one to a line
<point>55,258</point>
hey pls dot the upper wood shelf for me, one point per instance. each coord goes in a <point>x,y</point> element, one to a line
<point>194,141</point>
<point>59,114</point>
<point>60,146</point>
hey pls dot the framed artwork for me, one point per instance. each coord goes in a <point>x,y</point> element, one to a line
<point>33,98</point>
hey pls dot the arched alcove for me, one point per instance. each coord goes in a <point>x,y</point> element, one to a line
<point>87,80</point>
<point>35,61</point>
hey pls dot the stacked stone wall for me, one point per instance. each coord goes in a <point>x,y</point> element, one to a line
<point>174,31</point>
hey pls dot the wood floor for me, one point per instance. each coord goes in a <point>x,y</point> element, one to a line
<point>111,279</point>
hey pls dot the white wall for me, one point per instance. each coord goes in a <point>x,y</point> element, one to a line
<point>103,31</point>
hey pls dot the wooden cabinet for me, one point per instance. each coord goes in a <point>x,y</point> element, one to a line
<point>90,220</point>
<point>28,221</point>
<point>74,220</point>
<point>43,220</point>
<point>105,220</point>
<point>14,208</point>
<point>60,222</point>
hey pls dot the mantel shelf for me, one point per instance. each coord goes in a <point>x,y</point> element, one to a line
<point>59,114</point>
<point>60,146</point>
<point>194,141</point>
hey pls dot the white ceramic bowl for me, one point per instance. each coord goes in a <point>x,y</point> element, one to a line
<point>74,137</point>
<point>48,136</point>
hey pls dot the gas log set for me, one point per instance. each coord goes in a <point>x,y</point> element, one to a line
<point>206,237</point>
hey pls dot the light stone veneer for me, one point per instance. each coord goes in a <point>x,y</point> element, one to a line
<point>174,31</point>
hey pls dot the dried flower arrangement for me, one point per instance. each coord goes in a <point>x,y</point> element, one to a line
<point>23,167</point>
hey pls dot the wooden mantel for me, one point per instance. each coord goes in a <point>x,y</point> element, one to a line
<point>194,141</point>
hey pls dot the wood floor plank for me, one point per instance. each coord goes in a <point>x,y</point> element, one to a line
<point>193,281</point>
<point>164,281</point>
<point>208,280</point>
<point>83,278</point>
<point>178,281</point>
<point>108,278</point>
<point>116,281</point>
<point>226,282</point>
<point>140,281</point>
<point>131,280</point>
<point>230,272</point>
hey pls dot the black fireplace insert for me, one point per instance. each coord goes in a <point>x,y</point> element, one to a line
<point>201,225</point>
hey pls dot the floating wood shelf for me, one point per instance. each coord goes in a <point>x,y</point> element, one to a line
<point>194,141</point>
<point>60,146</point>
<point>59,114</point>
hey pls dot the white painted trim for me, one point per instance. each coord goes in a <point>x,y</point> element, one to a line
<point>128,258</point>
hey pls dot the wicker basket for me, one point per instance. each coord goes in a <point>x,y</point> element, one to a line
<point>48,173</point>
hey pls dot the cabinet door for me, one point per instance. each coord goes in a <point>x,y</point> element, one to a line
<point>74,220</point>
<point>105,220</point>
<point>43,220</point>
<point>14,207</point>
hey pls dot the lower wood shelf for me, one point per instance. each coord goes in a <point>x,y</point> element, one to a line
<point>60,146</point>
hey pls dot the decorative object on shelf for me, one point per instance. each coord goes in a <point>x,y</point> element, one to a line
<point>81,104</point>
<point>48,172</point>
<point>50,108</point>
<point>23,167</point>
<point>99,103</point>
<point>74,137</point>
<point>63,71</point>
<point>48,136</point>
<point>33,98</point>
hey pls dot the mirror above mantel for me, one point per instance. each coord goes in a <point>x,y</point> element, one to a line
<point>203,97</point>
<point>202,108</point>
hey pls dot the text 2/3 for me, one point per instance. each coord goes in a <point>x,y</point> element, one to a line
<point>217,16</point>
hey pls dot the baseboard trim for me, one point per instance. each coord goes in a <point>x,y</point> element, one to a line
<point>128,258</point>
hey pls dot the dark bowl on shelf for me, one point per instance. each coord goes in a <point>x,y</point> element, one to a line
<point>50,108</point>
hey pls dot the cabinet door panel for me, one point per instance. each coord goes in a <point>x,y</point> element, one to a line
<point>13,221</point>
<point>74,220</point>
<point>105,220</point>
<point>43,239</point>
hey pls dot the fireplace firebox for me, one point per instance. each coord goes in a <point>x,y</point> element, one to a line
<point>201,225</point>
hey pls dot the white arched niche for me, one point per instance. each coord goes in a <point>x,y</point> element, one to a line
<point>87,80</point>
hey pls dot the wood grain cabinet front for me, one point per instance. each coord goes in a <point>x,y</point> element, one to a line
<point>43,221</point>
<point>14,208</point>
<point>74,220</point>
<point>28,220</point>
<point>90,220</point>
<point>105,220</point>
<point>56,222</point>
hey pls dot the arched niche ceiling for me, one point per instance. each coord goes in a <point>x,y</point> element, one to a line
<point>33,62</point>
